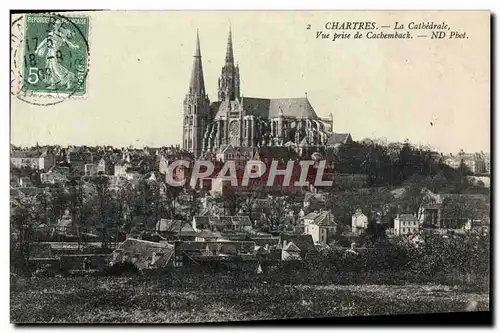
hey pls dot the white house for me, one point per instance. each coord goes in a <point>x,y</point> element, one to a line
<point>359,222</point>
<point>406,224</point>
<point>320,225</point>
<point>163,165</point>
<point>101,166</point>
<point>121,168</point>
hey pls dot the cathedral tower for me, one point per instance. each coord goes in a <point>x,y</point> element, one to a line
<point>229,81</point>
<point>196,107</point>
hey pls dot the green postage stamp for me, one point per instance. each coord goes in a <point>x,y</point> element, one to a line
<point>55,58</point>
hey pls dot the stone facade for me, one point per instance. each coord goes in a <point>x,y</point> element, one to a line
<point>246,121</point>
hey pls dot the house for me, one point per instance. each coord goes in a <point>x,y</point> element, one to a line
<point>477,226</point>
<point>25,182</point>
<point>320,225</point>
<point>239,155</point>
<point>337,139</point>
<point>314,201</point>
<point>163,165</point>
<point>266,241</point>
<point>192,251</point>
<point>475,162</point>
<point>90,169</point>
<point>222,223</point>
<point>209,236</point>
<point>304,242</point>
<point>39,160</point>
<point>359,222</point>
<point>406,224</point>
<point>290,251</point>
<point>78,160</point>
<point>55,175</point>
<point>217,185</point>
<point>144,254</point>
<point>175,229</point>
<point>101,166</point>
<point>121,168</point>
<point>434,212</point>
<point>65,224</point>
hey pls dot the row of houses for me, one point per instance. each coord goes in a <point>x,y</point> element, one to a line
<point>147,254</point>
<point>95,160</point>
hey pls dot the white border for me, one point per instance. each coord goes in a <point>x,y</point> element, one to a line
<point>194,4</point>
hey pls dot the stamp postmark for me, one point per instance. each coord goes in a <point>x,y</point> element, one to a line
<point>51,58</point>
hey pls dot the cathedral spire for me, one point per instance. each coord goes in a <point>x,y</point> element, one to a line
<point>229,82</point>
<point>197,83</point>
<point>229,50</point>
<point>198,52</point>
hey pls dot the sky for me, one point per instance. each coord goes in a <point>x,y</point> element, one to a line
<point>140,65</point>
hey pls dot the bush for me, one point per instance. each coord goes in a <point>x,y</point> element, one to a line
<point>125,268</point>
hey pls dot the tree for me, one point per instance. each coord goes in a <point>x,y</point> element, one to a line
<point>231,201</point>
<point>24,217</point>
<point>126,196</point>
<point>43,200</point>
<point>172,194</point>
<point>59,203</point>
<point>416,196</point>
<point>249,199</point>
<point>191,199</point>
<point>103,206</point>
<point>277,212</point>
<point>374,234</point>
<point>463,169</point>
<point>458,209</point>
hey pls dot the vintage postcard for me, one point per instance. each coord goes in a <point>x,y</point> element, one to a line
<point>236,166</point>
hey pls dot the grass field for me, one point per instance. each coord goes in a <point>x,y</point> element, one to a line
<point>165,300</point>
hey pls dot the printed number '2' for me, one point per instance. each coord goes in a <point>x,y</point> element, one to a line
<point>33,75</point>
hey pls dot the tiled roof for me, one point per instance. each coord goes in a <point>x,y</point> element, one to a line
<point>80,156</point>
<point>311,216</point>
<point>223,220</point>
<point>271,108</point>
<point>407,217</point>
<point>224,247</point>
<point>143,251</point>
<point>175,226</point>
<point>193,246</point>
<point>26,154</point>
<point>290,246</point>
<point>268,240</point>
<point>292,107</point>
<point>316,196</point>
<point>335,138</point>
<point>320,218</point>
<point>257,106</point>
<point>302,241</point>
<point>209,234</point>
<point>325,219</point>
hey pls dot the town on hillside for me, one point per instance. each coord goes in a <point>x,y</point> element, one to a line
<point>261,206</point>
<point>81,208</point>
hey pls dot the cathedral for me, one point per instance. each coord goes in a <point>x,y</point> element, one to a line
<point>248,122</point>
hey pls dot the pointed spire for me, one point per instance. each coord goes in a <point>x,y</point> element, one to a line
<point>198,52</point>
<point>229,51</point>
<point>197,83</point>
